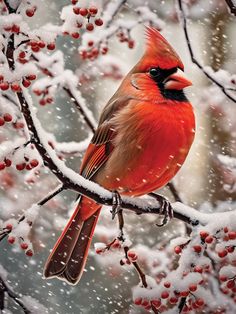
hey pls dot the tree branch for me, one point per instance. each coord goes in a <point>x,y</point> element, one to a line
<point>6,289</point>
<point>182,17</point>
<point>231,6</point>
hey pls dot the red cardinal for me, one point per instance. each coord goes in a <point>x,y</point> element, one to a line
<point>143,137</point>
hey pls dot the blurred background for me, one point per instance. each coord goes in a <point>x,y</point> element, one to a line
<point>106,288</point>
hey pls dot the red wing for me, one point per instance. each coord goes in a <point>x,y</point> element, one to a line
<point>98,151</point>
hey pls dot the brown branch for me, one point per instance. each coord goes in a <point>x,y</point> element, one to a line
<point>182,17</point>
<point>231,6</point>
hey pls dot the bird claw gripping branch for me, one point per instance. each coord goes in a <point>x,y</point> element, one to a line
<point>165,209</point>
<point>116,204</point>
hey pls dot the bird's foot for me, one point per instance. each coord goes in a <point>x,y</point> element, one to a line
<point>165,209</point>
<point>116,204</point>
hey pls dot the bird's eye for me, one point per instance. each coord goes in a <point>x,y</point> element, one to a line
<point>154,72</point>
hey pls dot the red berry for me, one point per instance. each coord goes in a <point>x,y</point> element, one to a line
<point>204,234</point>
<point>164,294</point>
<point>76,10</point>
<point>198,269</point>
<point>26,83</point>
<point>230,249</point>
<point>15,29</point>
<point>209,239</point>
<point>42,102</point>
<point>145,303</point>
<point>1,77</point>
<point>33,43</point>
<point>9,227</point>
<point>232,235</point>
<point>2,121</point>
<point>7,117</point>
<point>184,293</point>
<point>28,167</point>
<point>178,249</point>
<point>230,284</point>
<point>200,302</point>
<point>22,55</point>
<point>99,251</point>
<point>156,303</point>
<point>197,248</point>
<point>7,162</point>
<point>29,253</point>
<point>41,44</point>
<point>49,100</point>
<point>31,77</point>
<point>223,278</point>
<point>74,2</point>
<point>226,229</point>
<point>131,44</point>
<point>90,27</point>
<point>37,92</point>
<point>173,300</point>
<point>24,246</point>
<point>20,167</point>
<point>93,11</point>
<point>34,163</point>
<point>83,11</point>
<point>15,87</point>
<point>11,239</point>
<point>51,46</point>
<point>30,12</point>
<point>104,50</point>
<point>90,43</point>
<point>132,255</point>
<point>4,85</point>
<point>222,253</point>
<point>75,35</point>
<point>2,166</point>
<point>98,22</point>
<point>167,284</point>
<point>192,287</point>
<point>138,301</point>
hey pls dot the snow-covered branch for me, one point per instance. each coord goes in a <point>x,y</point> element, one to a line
<point>183,19</point>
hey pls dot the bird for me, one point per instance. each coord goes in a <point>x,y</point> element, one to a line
<point>143,137</point>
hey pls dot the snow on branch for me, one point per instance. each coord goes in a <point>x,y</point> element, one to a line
<point>208,74</point>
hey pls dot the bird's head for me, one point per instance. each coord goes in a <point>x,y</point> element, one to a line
<point>159,68</point>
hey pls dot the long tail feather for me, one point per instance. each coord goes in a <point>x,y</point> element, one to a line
<point>69,254</point>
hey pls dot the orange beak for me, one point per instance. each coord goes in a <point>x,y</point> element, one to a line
<point>177,81</point>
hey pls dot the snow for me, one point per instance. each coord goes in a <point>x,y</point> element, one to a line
<point>33,305</point>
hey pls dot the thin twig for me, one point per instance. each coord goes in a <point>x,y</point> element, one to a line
<point>14,296</point>
<point>182,17</point>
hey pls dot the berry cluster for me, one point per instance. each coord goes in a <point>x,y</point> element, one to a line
<point>166,301</point>
<point>5,118</point>
<point>86,16</point>
<point>93,50</point>
<point>46,98</point>
<point>15,86</point>
<point>124,37</point>
<point>26,165</point>
<point>23,244</point>
<point>90,14</point>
